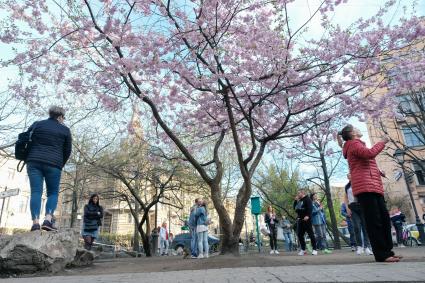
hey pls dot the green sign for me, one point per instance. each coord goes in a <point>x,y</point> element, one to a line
<point>255,205</point>
<point>185,228</point>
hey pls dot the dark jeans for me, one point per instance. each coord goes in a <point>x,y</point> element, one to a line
<point>351,231</point>
<point>273,236</point>
<point>320,234</point>
<point>378,224</point>
<point>37,174</point>
<point>399,233</point>
<point>359,225</point>
<point>302,228</point>
<point>193,242</point>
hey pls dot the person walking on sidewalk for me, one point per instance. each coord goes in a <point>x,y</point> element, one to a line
<point>319,224</point>
<point>92,220</point>
<point>304,208</point>
<point>285,224</point>
<point>202,229</point>
<point>192,227</point>
<point>271,222</point>
<point>397,219</point>
<point>354,211</point>
<point>367,186</point>
<point>163,239</point>
<point>50,150</point>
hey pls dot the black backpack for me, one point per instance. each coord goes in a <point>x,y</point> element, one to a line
<point>22,147</point>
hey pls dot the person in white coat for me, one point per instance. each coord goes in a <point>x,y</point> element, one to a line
<point>163,239</point>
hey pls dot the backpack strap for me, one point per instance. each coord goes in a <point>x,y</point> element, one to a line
<point>32,131</point>
<point>20,167</point>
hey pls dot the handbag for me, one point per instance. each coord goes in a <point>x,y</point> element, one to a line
<point>265,230</point>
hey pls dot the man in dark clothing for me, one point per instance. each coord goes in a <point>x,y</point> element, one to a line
<point>304,208</point>
<point>397,219</point>
<point>50,149</point>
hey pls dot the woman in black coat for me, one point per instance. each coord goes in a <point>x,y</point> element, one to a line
<point>93,214</point>
<point>271,222</point>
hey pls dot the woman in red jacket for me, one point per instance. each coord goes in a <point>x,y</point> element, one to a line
<point>368,189</point>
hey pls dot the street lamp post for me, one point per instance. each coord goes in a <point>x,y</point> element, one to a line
<point>399,155</point>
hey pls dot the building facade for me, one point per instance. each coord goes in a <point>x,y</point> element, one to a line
<point>15,210</point>
<point>405,129</point>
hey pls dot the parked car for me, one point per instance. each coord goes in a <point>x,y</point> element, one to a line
<point>182,241</point>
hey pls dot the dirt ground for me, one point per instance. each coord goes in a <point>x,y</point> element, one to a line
<point>175,263</point>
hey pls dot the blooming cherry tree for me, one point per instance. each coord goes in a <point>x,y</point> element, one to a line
<point>216,71</point>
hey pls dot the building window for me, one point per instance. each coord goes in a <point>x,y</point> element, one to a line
<point>405,104</point>
<point>412,103</point>
<point>22,207</point>
<point>420,174</point>
<point>11,173</point>
<point>413,136</point>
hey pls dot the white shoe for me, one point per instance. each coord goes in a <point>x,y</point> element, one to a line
<point>201,256</point>
<point>367,251</point>
<point>206,256</point>
<point>314,252</point>
<point>272,252</point>
<point>302,252</point>
<point>359,250</point>
<point>276,252</point>
<point>402,246</point>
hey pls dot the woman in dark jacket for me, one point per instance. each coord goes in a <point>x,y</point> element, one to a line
<point>271,222</point>
<point>93,214</point>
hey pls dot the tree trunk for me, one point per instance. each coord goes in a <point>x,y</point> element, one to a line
<point>145,235</point>
<point>145,241</point>
<point>74,209</point>
<point>136,242</point>
<point>329,201</point>
<point>230,231</point>
<point>227,241</point>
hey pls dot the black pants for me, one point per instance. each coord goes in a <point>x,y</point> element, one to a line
<point>273,236</point>
<point>399,233</point>
<point>378,224</point>
<point>302,228</point>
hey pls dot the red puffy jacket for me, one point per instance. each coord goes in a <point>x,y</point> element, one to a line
<point>365,175</point>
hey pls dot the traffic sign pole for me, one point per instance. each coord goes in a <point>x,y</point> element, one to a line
<point>258,233</point>
<point>2,206</point>
<point>5,194</point>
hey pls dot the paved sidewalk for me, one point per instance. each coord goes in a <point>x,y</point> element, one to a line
<point>370,272</point>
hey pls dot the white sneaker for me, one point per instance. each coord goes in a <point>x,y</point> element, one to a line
<point>402,246</point>
<point>314,252</point>
<point>272,252</point>
<point>200,256</point>
<point>367,251</point>
<point>359,250</point>
<point>276,252</point>
<point>302,252</point>
<point>206,256</point>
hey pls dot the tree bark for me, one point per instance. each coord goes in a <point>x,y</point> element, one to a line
<point>329,201</point>
<point>136,242</point>
<point>74,209</point>
<point>145,235</point>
